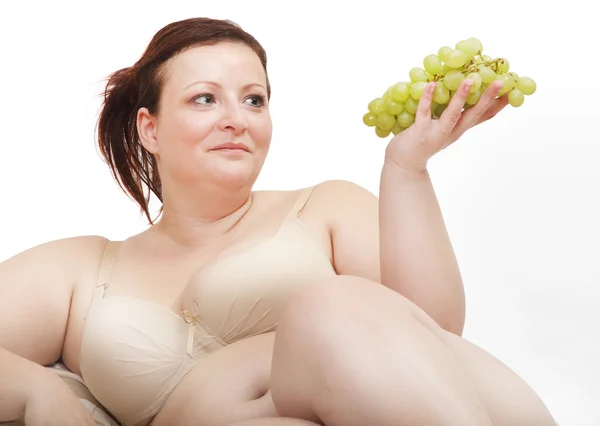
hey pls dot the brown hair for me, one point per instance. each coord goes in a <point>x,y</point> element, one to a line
<point>129,89</point>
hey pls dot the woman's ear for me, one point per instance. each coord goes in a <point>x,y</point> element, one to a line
<point>146,127</point>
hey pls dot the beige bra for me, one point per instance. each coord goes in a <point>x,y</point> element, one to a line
<point>134,352</point>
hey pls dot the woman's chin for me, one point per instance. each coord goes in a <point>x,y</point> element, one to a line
<point>234,176</point>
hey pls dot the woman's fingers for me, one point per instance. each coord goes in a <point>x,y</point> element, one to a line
<point>497,106</point>
<point>423,115</point>
<point>487,106</point>
<point>454,121</point>
<point>453,112</point>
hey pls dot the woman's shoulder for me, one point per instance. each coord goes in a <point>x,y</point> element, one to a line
<point>340,188</point>
<point>332,188</point>
<point>338,193</point>
<point>73,246</point>
<point>331,197</point>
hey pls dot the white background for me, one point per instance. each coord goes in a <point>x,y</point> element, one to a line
<point>519,193</point>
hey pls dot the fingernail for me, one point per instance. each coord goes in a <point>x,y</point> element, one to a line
<point>468,84</point>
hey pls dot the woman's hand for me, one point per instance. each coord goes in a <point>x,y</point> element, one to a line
<point>52,403</point>
<point>412,148</point>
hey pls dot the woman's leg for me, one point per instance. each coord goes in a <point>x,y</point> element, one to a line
<point>352,352</point>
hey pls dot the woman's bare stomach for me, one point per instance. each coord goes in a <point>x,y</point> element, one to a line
<point>227,386</point>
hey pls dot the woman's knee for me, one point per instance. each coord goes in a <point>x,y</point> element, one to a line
<point>321,301</point>
<point>311,328</point>
<point>342,302</point>
<point>320,313</point>
<point>326,333</point>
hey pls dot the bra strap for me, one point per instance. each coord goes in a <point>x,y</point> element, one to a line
<point>301,201</point>
<point>106,266</point>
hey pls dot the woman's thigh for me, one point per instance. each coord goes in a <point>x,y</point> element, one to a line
<point>228,386</point>
<point>339,344</point>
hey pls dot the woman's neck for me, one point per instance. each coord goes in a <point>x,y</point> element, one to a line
<point>200,220</point>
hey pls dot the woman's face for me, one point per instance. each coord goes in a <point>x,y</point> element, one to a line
<point>212,95</point>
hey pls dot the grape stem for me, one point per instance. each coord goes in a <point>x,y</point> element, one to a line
<point>473,66</point>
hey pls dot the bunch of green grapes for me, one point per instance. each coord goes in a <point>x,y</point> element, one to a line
<point>395,110</point>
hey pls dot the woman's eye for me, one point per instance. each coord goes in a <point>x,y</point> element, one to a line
<point>255,101</point>
<point>204,99</point>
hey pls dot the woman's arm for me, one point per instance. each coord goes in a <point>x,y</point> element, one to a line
<point>36,287</point>
<point>19,377</point>
<point>417,258</point>
<point>399,240</point>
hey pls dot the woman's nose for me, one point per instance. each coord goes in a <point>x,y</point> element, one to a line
<point>233,119</point>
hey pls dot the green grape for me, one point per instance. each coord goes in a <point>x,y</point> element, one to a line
<point>441,95</point>
<point>487,74</point>
<point>385,121</point>
<point>411,106</point>
<point>469,47</point>
<point>476,79</point>
<point>382,133</point>
<point>406,119</point>
<point>397,128</point>
<point>394,108</point>
<point>400,92</point>
<point>439,110</point>
<point>503,66</point>
<point>417,74</point>
<point>473,97</point>
<point>370,119</point>
<point>516,98</point>
<point>508,82</point>
<point>476,44</point>
<point>377,106</point>
<point>443,52</point>
<point>432,64</point>
<point>456,59</point>
<point>417,89</point>
<point>453,79</point>
<point>526,85</point>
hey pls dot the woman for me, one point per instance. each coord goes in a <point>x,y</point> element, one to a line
<point>318,306</point>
